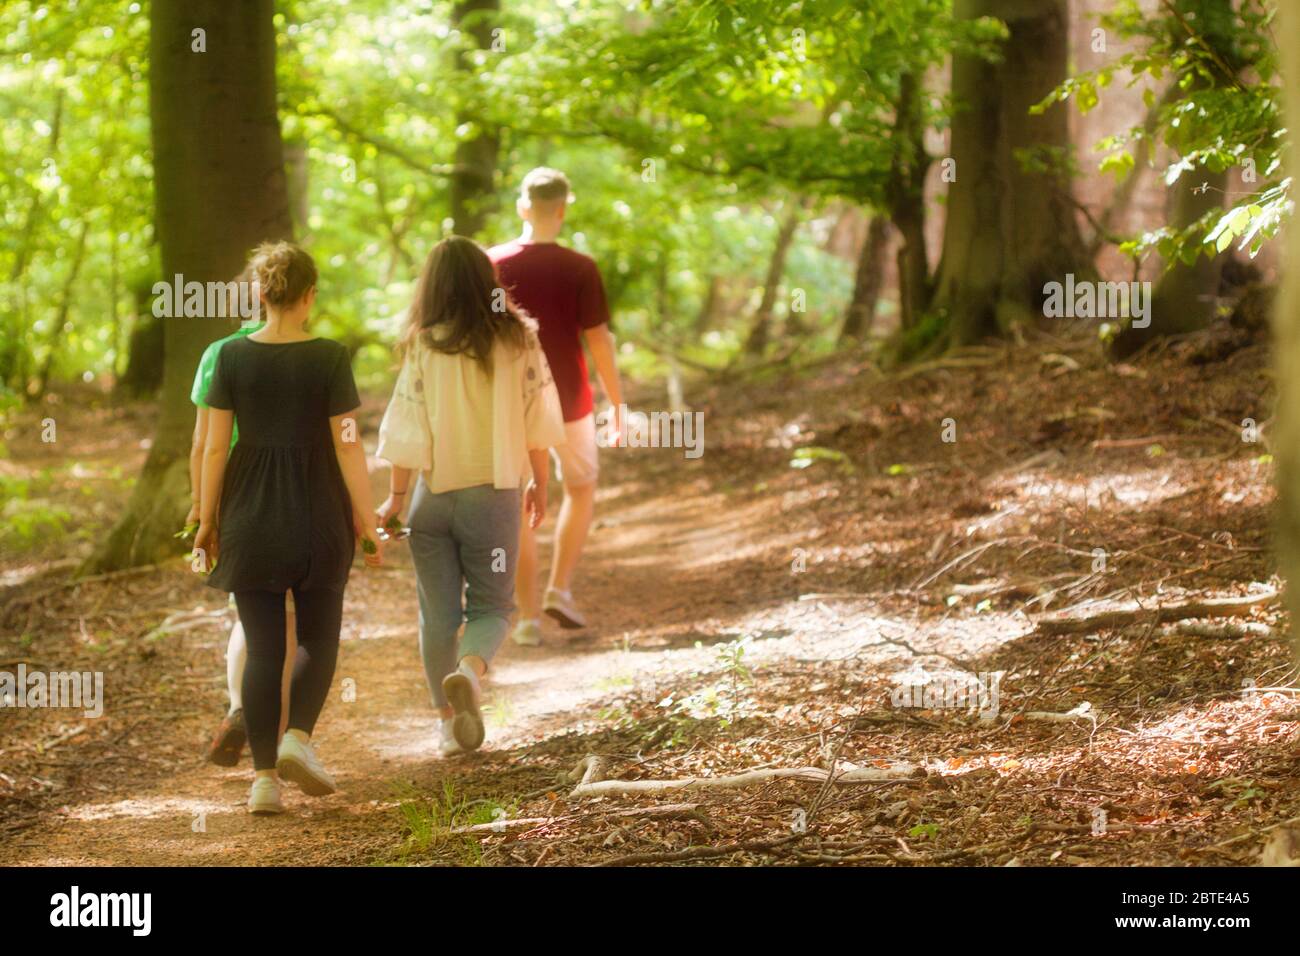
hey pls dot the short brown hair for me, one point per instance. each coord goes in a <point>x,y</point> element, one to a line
<point>284,272</point>
<point>545,184</point>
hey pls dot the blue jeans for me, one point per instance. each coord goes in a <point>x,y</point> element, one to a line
<point>463,542</point>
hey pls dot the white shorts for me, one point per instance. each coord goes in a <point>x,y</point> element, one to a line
<point>575,461</point>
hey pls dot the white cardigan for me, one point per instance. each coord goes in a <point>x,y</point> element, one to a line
<point>461,425</point>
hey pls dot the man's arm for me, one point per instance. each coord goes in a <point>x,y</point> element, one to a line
<point>600,342</point>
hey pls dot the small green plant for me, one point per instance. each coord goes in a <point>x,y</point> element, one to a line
<point>732,658</point>
<point>499,710</point>
<point>430,821</point>
<point>24,521</point>
<point>1242,791</point>
<point>924,831</point>
<point>809,455</point>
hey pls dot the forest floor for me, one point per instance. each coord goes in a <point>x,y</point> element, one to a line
<point>759,607</point>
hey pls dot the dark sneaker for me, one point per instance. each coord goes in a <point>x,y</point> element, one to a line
<point>228,742</point>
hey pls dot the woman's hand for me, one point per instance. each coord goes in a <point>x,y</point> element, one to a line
<point>372,550</point>
<point>389,510</point>
<point>193,516</point>
<point>535,502</point>
<point>206,545</point>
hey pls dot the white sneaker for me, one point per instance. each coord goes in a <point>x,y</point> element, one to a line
<point>559,605</point>
<point>448,745</point>
<point>264,798</point>
<point>463,693</point>
<point>298,763</point>
<point>527,633</point>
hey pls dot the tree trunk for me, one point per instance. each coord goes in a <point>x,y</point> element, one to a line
<point>761,329</point>
<point>297,168</point>
<point>13,348</point>
<point>219,189</point>
<point>66,295</point>
<point>1286,435</point>
<point>142,376</point>
<point>908,167</point>
<point>708,305</point>
<point>472,179</point>
<point>861,313</point>
<point>1185,297</point>
<point>1010,229</point>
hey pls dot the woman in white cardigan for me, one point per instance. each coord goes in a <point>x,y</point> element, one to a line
<point>471,420</point>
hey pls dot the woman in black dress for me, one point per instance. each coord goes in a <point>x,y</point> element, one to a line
<point>284,511</point>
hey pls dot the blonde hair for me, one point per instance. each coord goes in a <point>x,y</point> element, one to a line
<point>284,272</point>
<point>545,184</point>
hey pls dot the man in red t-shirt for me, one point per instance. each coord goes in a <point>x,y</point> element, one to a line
<point>562,290</point>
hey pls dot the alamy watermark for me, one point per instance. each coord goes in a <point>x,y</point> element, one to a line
<point>207,300</point>
<point>79,690</point>
<point>978,693</point>
<point>654,430</point>
<point>1098,300</point>
<point>133,911</point>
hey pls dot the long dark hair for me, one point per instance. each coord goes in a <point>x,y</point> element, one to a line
<point>459,305</point>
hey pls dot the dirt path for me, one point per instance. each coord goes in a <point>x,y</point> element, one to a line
<point>642,565</point>
<point>753,614</point>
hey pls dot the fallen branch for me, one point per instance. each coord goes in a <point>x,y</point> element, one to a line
<point>501,826</point>
<point>1224,629</point>
<point>1106,620</point>
<point>603,788</point>
<point>1101,443</point>
<point>701,852</point>
<point>180,621</point>
<point>1082,712</point>
<point>14,601</point>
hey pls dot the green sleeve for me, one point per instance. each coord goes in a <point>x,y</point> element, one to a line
<point>203,377</point>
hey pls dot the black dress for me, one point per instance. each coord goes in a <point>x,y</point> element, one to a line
<point>285,518</point>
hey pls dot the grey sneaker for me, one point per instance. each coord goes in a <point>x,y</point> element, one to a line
<point>463,693</point>
<point>559,605</point>
<point>527,633</point>
<point>448,745</point>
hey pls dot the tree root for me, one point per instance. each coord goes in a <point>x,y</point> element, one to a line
<point>1107,620</point>
<point>593,785</point>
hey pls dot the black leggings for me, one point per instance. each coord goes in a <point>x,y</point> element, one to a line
<point>320,615</point>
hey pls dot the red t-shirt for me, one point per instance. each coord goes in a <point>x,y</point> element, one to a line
<point>561,289</point>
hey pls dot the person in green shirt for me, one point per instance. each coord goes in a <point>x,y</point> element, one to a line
<point>227,743</point>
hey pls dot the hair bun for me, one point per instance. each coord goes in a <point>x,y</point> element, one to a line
<point>284,272</point>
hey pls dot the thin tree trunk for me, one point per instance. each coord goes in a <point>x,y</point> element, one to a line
<point>708,305</point>
<point>114,293</point>
<point>472,179</point>
<point>13,348</point>
<point>761,328</point>
<point>219,190</point>
<point>66,295</point>
<point>1009,230</point>
<point>907,201</point>
<point>870,276</point>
